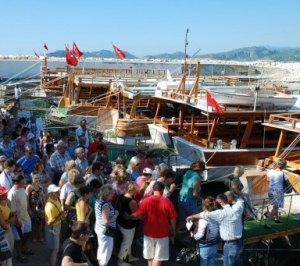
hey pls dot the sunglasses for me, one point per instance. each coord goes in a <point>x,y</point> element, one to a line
<point>30,152</point>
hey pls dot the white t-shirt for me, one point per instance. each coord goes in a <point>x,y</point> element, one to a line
<point>18,204</point>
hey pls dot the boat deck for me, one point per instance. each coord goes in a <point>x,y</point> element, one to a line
<point>256,232</point>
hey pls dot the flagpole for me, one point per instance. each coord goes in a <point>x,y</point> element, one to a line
<point>208,129</point>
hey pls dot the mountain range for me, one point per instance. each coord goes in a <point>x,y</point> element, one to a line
<point>284,54</point>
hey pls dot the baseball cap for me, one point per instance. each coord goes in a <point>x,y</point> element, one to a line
<point>52,188</point>
<point>147,171</point>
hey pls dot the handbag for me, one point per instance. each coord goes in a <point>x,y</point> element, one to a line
<point>188,257</point>
<point>112,232</point>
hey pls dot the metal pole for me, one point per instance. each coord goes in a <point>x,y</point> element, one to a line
<point>186,44</point>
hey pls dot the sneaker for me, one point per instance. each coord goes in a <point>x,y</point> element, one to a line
<point>278,222</point>
<point>133,259</point>
<point>124,264</point>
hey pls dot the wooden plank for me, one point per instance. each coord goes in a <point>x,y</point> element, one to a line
<point>272,235</point>
<point>280,143</point>
<point>213,128</point>
<point>247,132</point>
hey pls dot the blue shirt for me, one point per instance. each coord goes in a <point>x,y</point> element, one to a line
<point>189,180</point>
<point>28,166</point>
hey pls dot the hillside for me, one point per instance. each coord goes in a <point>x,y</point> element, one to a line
<point>258,53</point>
<point>283,54</point>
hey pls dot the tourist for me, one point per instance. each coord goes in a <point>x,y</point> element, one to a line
<point>7,218</point>
<point>96,174</point>
<point>7,174</point>
<point>83,209</point>
<point>207,234</point>
<point>127,205</point>
<point>53,215</point>
<point>81,162</point>
<point>233,182</point>
<point>31,141</point>
<point>64,177</point>
<point>82,130</point>
<point>73,176</point>
<point>189,195</point>
<point>5,252</point>
<point>46,139</point>
<point>71,146</point>
<point>167,177</point>
<point>7,145</point>
<point>46,180</point>
<point>159,170</point>
<point>35,196</point>
<point>159,216</point>
<point>93,147</point>
<point>49,150</point>
<point>64,135</point>
<point>276,179</point>
<point>28,162</point>
<point>143,181</point>
<point>133,168</point>
<point>119,185</point>
<point>96,156</point>
<point>106,217</point>
<point>58,160</point>
<point>22,228</point>
<point>230,223</point>
<point>73,248</point>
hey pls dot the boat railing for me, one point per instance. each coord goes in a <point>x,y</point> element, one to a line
<point>265,203</point>
<point>291,118</point>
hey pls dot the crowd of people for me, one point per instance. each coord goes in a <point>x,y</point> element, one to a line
<point>59,193</point>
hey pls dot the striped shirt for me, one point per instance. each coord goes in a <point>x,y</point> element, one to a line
<point>229,219</point>
<point>99,205</point>
<point>207,233</point>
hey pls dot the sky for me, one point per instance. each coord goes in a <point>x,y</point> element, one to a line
<point>144,27</point>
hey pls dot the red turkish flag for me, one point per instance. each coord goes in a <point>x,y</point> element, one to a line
<point>119,53</point>
<point>211,101</point>
<point>76,51</point>
<point>71,58</point>
<point>45,46</point>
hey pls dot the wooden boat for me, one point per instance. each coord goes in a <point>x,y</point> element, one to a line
<point>222,140</point>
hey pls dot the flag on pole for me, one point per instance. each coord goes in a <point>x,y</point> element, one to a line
<point>76,51</point>
<point>71,58</point>
<point>45,46</point>
<point>211,101</point>
<point>119,53</point>
<point>36,54</point>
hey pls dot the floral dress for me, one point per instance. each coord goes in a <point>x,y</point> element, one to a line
<point>36,204</point>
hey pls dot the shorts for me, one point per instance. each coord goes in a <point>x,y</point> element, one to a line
<point>156,248</point>
<point>52,233</point>
<point>19,231</point>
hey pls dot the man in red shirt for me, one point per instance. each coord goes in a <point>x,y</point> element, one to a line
<point>159,217</point>
<point>93,147</point>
